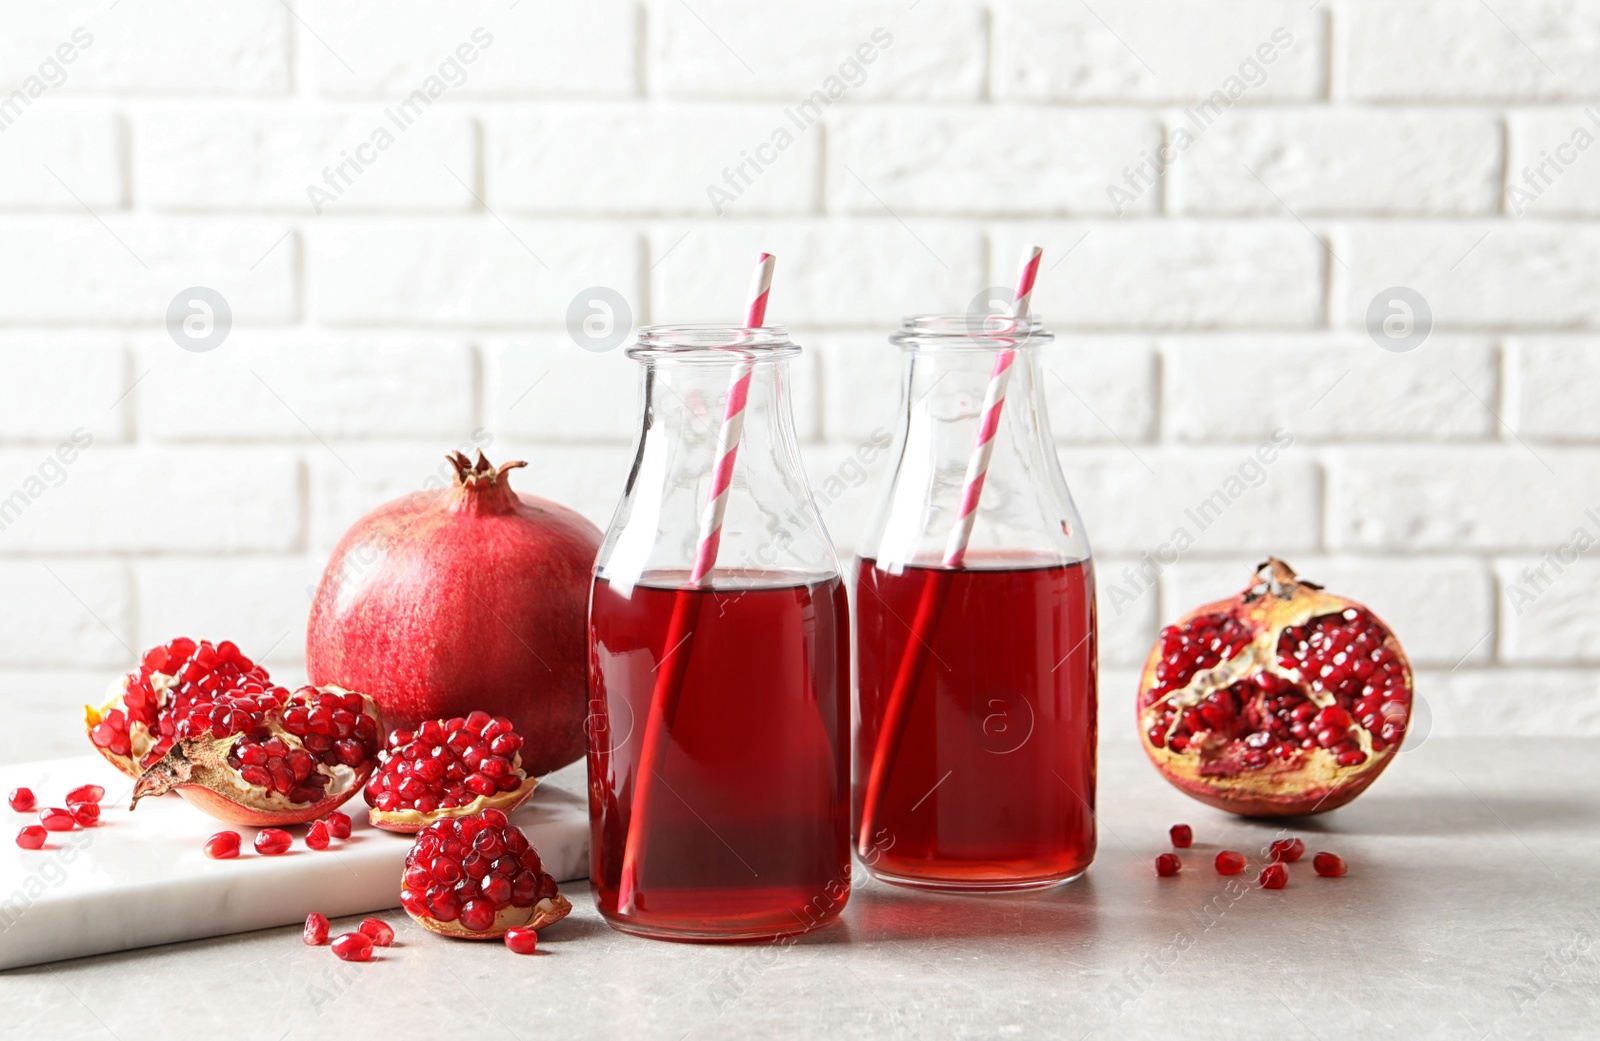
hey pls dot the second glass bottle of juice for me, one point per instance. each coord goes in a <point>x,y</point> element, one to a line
<point>719,708</point>
<point>987,779</point>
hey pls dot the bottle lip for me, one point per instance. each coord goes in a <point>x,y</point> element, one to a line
<point>713,343</point>
<point>970,331</point>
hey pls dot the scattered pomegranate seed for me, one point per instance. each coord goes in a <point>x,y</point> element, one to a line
<point>87,814</point>
<point>378,931</point>
<point>1288,851</point>
<point>1273,876</point>
<point>31,837</point>
<point>86,793</point>
<point>272,841</point>
<point>338,824</point>
<point>353,947</point>
<point>1328,865</point>
<point>317,836</point>
<point>1182,835</point>
<point>224,845</point>
<point>22,800</point>
<point>315,933</point>
<point>522,941</point>
<point>1168,864</point>
<point>1230,862</point>
<point>57,819</point>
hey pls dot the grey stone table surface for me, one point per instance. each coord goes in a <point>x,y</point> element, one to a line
<point>1471,910</point>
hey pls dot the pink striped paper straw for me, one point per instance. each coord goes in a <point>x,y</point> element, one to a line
<point>994,400</point>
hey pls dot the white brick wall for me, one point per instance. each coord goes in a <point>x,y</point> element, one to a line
<point>1432,144</point>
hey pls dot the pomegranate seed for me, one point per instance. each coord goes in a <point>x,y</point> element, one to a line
<point>338,824</point>
<point>87,814</point>
<point>1288,850</point>
<point>380,932</point>
<point>224,845</point>
<point>22,799</point>
<point>315,933</point>
<point>57,819</point>
<point>1229,862</point>
<point>272,841</point>
<point>1168,864</point>
<point>1182,835</point>
<point>31,837</point>
<point>86,793</point>
<point>317,836</point>
<point>522,941</point>
<point>1328,865</point>
<point>1273,876</point>
<point>353,947</point>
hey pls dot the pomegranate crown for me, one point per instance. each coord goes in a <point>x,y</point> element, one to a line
<point>1275,578</point>
<point>481,487</point>
<point>472,473</point>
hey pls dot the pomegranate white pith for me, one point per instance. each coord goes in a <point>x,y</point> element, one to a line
<point>1284,700</point>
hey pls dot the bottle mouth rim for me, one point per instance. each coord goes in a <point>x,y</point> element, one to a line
<point>708,342</point>
<point>971,330</point>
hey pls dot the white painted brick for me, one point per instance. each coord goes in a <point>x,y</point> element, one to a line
<point>45,710</point>
<point>389,48</point>
<point>1127,628</point>
<point>1444,499</point>
<point>861,374</point>
<point>75,269</point>
<point>1523,273</point>
<point>261,604</point>
<point>126,500</point>
<point>62,159</point>
<point>357,159</point>
<point>847,482</point>
<point>1118,688</point>
<point>589,479</point>
<point>475,272</point>
<point>1135,500</point>
<point>1440,609</point>
<point>1547,605</point>
<point>1445,51</point>
<point>727,49</point>
<point>586,158</point>
<point>75,614</point>
<point>54,383</point>
<point>1168,274</point>
<point>1552,164</point>
<point>1166,51</point>
<point>305,386</point>
<point>1554,381</point>
<point>162,47</point>
<point>830,273</point>
<point>1321,161</point>
<point>984,160</point>
<point>1512,702</point>
<point>1341,387</point>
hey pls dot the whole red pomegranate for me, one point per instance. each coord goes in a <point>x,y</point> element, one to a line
<point>1284,700</point>
<point>470,598</point>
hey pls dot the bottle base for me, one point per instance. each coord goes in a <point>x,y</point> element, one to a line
<point>690,935</point>
<point>976,886</point>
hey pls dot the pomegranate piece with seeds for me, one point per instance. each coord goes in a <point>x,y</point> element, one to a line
<point>315,933</point>
<point>224,845</point>
<point>207,721</point>
<point>22,799</point>
<point>57,819</point>
<point>522,941</point>
<point>380,932</point>
<point>1273,876</point>
<point>1182,835</point>
<point>1168,864</point>
<point>272,841</point>
<point>353,947</point>
<point>448,768</point>
<point>1282,701</point>
<point>1328,865</point>
<point>1288,851</point>
<point>1229,862</point>
<point>31,837</point>
<point>476,877</point>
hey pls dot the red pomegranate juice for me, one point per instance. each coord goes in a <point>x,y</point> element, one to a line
<point>748,829</point>
<point>994,784</point>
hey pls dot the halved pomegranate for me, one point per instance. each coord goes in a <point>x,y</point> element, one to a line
<point>1284,700</point>
<point>207,721</point>
<point>448,768</point>
<point>476,877</point>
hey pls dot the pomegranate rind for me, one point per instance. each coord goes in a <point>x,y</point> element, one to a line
<point>409,822</point>
<point>544,912</point>
<point>1312,781</point>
